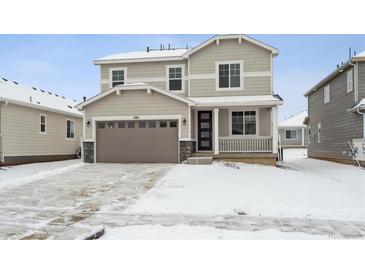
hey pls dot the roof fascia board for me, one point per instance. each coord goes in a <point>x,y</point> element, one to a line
<point>137,60</point>
<point>233,104</point>
<point>136,87</point>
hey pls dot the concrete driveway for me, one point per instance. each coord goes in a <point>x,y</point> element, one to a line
<point>53,208</point>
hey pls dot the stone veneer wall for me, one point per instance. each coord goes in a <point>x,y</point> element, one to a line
<point>187,148</point>
<point>88,152</point>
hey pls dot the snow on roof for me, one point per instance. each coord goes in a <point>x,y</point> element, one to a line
<point>142,55</point>
<point>236,100</point>
<point>38,98</point>
<point>295,120</point>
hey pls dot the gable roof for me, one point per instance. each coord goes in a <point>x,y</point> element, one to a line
<point>16,93</point>
<point>274,51</point>
<point>358,58</point>
<point>133,86</point>
<point>174,54</point>
<point>295,120</point>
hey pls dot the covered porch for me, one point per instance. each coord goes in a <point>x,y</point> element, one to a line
<point>241,128</point>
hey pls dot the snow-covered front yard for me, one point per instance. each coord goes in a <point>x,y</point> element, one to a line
<point>301,188</point>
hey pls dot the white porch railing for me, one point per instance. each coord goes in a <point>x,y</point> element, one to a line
<point>254,144</point>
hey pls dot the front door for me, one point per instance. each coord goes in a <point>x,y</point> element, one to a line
<point>204,130</point>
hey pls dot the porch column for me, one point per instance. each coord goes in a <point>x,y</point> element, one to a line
<point>216,130</point>
<point>303,137</point>
<point>274,129</point>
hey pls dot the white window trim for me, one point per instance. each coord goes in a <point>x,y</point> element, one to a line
<point>182,66</point>
<point>350,76</point>
<point>296,135</point>
<point>319,132</point>
<point>244,135</point>
<point>45,123</point>
<point>125,69</point>
<point>241,62</point>
<point>71,120</point>
<point>325,99</point>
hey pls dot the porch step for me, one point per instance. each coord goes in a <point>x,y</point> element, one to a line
<point>200,160</point>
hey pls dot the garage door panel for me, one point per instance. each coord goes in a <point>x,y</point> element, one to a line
<point>137,145</point>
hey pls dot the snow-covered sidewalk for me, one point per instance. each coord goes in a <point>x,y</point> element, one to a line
<point>11,176</point>
<point>304,188</point>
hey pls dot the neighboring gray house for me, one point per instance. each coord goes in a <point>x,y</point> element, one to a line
<point>166,105</point>
<point>293,132</point>
<point>336,113</point>
<point>36,125</point>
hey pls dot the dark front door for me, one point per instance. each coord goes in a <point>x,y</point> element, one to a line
<point>204,130</point>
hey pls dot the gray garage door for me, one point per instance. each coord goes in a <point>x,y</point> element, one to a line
<point>137,141</point>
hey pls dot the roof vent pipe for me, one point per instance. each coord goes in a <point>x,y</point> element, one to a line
<point>84,98</point>
<point>349,52</point>
<point>148,49</point>
<point>160,46</point>
<point>169,47</point>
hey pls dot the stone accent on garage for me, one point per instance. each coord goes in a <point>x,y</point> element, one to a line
<point>187,148</point>
<point>88,152</point>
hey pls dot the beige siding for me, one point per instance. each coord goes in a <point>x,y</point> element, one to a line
<point>293,142</point>
<point>361,79</point>
<point>135,103</point>
<point>265,122</point>
<point>22,137</point>
<point>136,72</point>
<point>255,58</point>
<point>223,123</point>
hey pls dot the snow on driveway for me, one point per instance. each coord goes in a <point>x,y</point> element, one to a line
<point>11,176</point>
<point>303,188</point>
<point>185,232</point>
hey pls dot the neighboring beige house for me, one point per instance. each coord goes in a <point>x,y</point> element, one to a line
<point>166,105</point>
<point>336,108</point>
<point>293,132</point>
<point>36,125</point>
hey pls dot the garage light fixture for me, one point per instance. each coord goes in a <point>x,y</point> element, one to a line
<point>184,122</point>
<point>88,123</point>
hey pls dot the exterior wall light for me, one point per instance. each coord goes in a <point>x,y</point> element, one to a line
<point>184,122</point>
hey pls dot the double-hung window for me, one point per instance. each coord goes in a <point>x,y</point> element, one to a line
<point>291,134</point>
<point>43,124</point>
<point>70,129</point>
<point>350,82</point>
<point>118,76</point>
<point>229,75</point>
<point>243,123</point>
<point>175,78</point>
<point>326,94</point>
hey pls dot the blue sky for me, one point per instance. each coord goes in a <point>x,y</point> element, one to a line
<point>63,63</point>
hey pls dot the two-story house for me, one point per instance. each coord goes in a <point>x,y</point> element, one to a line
<point>170,104</point>
<point>336,107</point>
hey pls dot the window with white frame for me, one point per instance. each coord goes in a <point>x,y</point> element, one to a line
<point>175,81</point>
<point>244,122</point>
<point>291,134</point>
<point>118,76</point>
<point>70,129</point>
<point>350,82</point>
<point>229,75</point>
<point>319,132</point>
<point>326,94</point>
<point>43,124</point>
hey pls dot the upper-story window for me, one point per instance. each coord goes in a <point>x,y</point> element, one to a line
<point>350,82</point>
<point>43,124</point>
<point>175,78</point>
<point>118,76</point>
<point>326,94</point>
<point>229,75</point>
